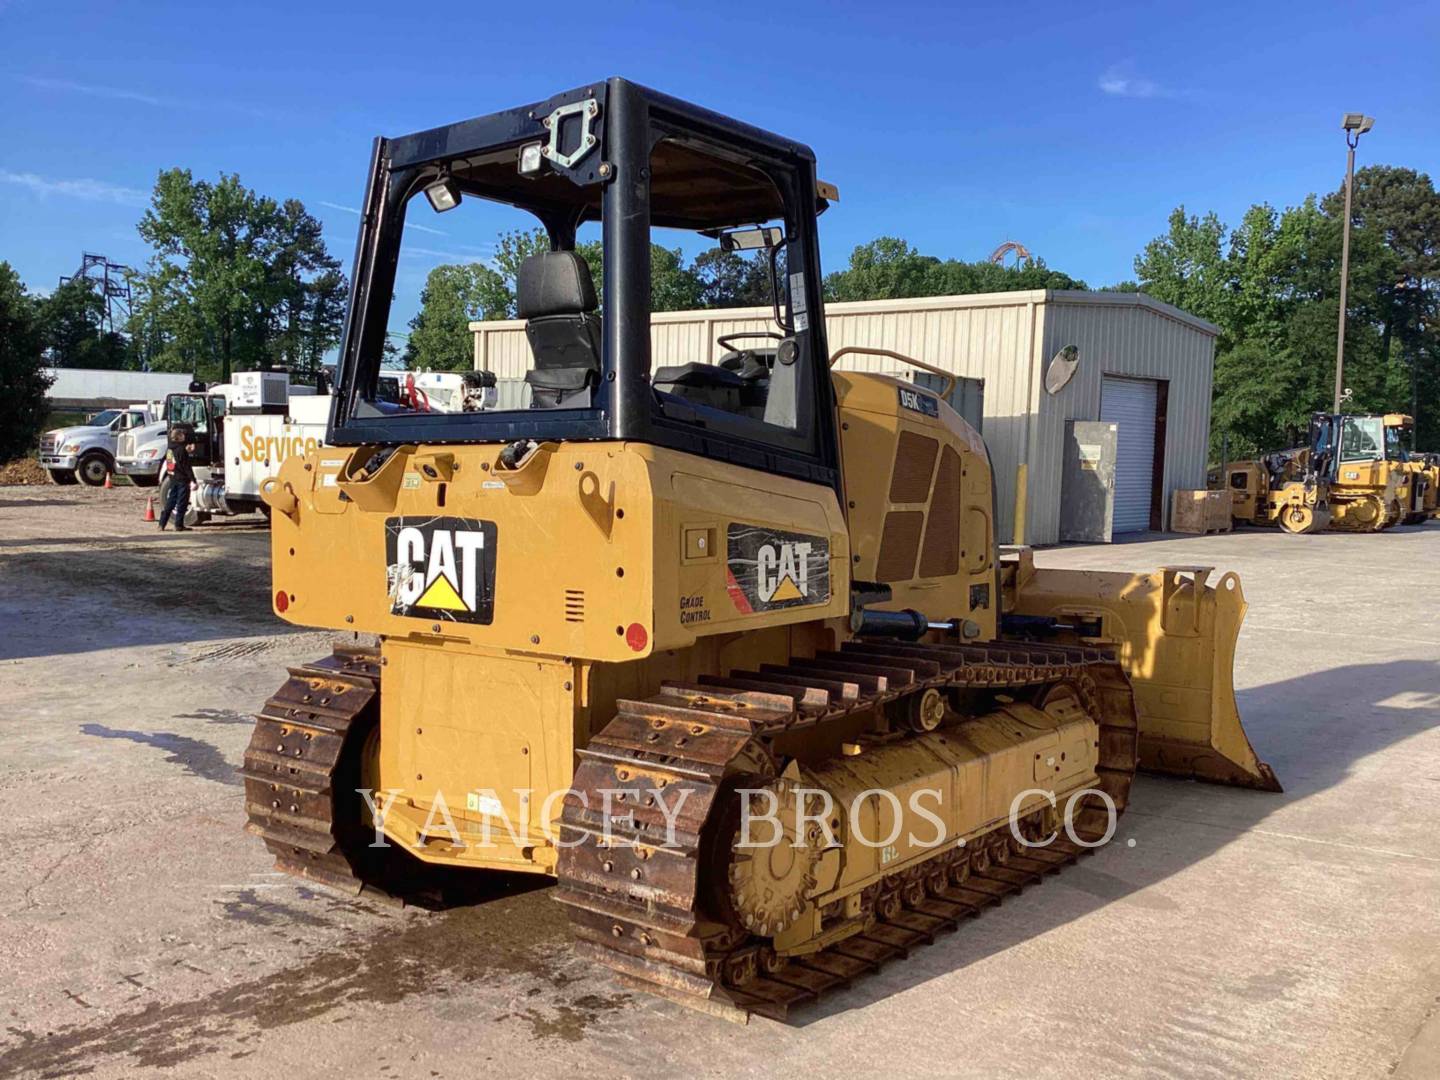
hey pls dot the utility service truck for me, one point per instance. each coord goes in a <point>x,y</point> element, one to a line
<point>242,430</point>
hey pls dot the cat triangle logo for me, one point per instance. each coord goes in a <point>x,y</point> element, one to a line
<point>441,596</point>
<point>786,590</point>
<point>441,568</point>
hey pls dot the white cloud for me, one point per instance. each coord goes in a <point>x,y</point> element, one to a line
<point>77,188</point>
<point>1121,80</point>
<point>114,93</point>
<point>408,224</point>
<point>120,93</point>
<point>431,253</point>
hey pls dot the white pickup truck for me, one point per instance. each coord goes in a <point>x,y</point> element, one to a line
<point>86,452</point>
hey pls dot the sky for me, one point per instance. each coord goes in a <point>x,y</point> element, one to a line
<point>1072,128</point>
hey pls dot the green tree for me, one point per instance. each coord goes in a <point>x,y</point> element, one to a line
<point>728,279</point>
<point>453,296</point>
<point>1187,267</point>
<point>1272,287</point>
<point>673,285</point>
<point>238,280</point>
<point>302,304</point>
<point>22,373</point>
<point>884,269</point>
<point>1403,208</point>
<point>71,320</point>
<point>889,268</point>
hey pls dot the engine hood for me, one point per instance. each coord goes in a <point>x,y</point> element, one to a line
<point>81,431</point>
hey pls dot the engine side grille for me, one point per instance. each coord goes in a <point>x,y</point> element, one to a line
<point>575,605</point>
<point>899,544</point>
<point>941,555</point>
<point>914,461</point>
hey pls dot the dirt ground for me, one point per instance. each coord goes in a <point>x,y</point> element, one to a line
<point>26,470</point>
<point>1226,933</point>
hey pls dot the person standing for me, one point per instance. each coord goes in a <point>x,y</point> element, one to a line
<point>182,478</point>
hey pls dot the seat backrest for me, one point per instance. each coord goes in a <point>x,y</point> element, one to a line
<point>554,293</point>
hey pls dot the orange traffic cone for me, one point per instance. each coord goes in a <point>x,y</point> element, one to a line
<point>149,508</point>
<point>108,484</point>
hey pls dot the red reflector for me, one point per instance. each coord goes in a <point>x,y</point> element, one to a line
<point>636,637</point>
<point>282,601</point>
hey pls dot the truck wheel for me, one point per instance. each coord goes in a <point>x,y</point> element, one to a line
<point>193,517</point>
<point>62,477</point>
<point>93,469</point>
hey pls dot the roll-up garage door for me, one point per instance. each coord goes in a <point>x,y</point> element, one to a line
<point>1131,405</point>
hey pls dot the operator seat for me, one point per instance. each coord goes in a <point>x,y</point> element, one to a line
<point>555,294</point>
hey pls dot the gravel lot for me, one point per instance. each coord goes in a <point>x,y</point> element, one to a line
<point>1242,934</point>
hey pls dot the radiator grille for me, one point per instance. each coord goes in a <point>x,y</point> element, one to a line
<point>898,545</point>
<point>914,460</point>
<point>941,555</point>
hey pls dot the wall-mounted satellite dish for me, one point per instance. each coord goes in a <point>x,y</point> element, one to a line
<point>1062,369</point>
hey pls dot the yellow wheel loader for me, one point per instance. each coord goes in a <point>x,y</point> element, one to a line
<point>681,597</point>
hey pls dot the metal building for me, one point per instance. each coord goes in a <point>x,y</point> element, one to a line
<point>91,388</point>
<point>1140,365</point>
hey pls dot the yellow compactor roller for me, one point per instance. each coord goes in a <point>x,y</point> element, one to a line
<point>691,587</point>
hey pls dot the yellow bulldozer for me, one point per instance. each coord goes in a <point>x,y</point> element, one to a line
<point>691,589</point>
<point>1353,475</point>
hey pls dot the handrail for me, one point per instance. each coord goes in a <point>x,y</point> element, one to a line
<point>949,376</point>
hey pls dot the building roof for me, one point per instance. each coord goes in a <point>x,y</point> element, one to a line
<point>1081,297</point>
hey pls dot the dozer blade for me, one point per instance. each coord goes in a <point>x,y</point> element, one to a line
<point>1176,638</point>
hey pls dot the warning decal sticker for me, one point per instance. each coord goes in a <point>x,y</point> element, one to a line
<point>441,568</point>
<point>768,569</point>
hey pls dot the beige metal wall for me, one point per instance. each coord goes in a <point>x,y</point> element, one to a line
<point>1121,334</point>
<point>1005,339</point>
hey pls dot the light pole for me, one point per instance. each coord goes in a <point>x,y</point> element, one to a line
<point>1355,125</point>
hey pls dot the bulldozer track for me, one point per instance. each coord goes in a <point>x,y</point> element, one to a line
<point>301,770</point>
<point>635,903</point>
<point>639,900</point>
<point>1383,516</point>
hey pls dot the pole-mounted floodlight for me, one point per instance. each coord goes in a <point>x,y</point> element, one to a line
<point>1355,125</point>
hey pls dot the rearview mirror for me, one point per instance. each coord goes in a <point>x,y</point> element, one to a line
<point>755,239</point>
